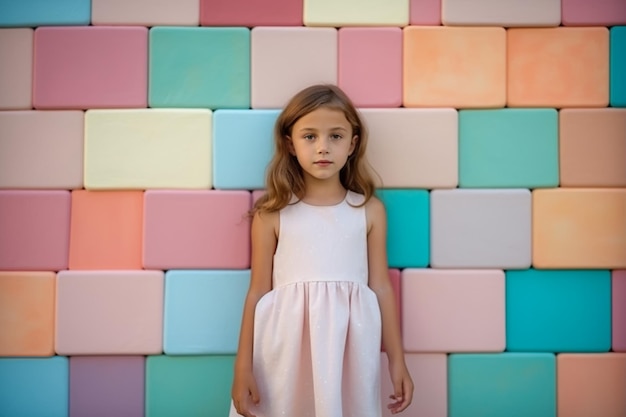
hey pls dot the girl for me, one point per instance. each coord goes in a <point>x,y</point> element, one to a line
<point>319,296</point>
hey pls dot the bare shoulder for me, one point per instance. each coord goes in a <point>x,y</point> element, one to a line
<point>375,213</point>
<point>266,223</point>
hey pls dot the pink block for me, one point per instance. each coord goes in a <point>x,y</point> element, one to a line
<point>593,13</point>
<point>370,66</point>
<point>425,12</point>
<point>618,292</point>
<point>453,310</point>
<point>34,230</point>
<point>196,229</point>
<point>250,13</point>
<point>90,67</point>
<point>41,149</point>
<point>16,77</point>
<point>109,312</point>
<point>286,60</point>
<point>430,377</point>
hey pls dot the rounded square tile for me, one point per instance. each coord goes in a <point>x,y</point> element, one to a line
<point>558,67</point>
<point>558,311</point>
<point>618,66</point>
<point>508,148</point>
<point>432,76</point>
<point>41,149</point>
<point>579,228</point>
<point>356,13</point>
<point>199,67</point>
<point>16,78</point>
<point>425,12</point>
<point>276,51</point>
<point>145,12</point>
<point>507,13</point>
<point>597,13</point>
<point>90,67</point>
<point>43,13</point>
<point>618,305</point>
<point>480,228</point>
<point>453,311</point>
<point>250,13</point>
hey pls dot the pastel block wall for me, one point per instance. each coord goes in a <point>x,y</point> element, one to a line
<point>134,137</point>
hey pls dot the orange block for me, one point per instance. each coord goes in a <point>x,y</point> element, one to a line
<point>27,313</point>
<point>579,228</point>
<point>591,385</point>
<point>592,147</point>
<point>106,230</point>
<point>558,67</point>
<point>454,66</point>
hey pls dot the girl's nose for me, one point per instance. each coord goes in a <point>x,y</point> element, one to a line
<point>323,145</point>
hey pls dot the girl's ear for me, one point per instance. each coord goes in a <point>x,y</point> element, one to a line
<point>353,143</point>
<point>290,147</point>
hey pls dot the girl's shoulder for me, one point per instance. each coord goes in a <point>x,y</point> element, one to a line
<point>375,212</point>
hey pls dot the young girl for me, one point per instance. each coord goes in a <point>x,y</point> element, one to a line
<point>320,296</point>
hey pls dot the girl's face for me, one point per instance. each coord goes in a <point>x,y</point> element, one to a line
<point>322,141</point>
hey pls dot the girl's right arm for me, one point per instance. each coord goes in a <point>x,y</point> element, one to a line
<point>264,237</point>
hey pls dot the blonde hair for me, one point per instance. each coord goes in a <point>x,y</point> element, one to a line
<point>284,174</point>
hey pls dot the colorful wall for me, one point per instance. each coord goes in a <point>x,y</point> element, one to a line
<point>134,135</point>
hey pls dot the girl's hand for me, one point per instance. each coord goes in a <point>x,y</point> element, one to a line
<point>402,386</point>
<point>245,391</point>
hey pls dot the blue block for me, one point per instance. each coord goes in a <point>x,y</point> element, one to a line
<point>32,13</point>
<point>203,310</point>
<point>618,66</point>
<point>503,384</point>
<point>408,227</point>
<point>243,146</point>
<point>34,387</point>
<point>199,67</point>
<point>508,148</point>
<point>558,310</point>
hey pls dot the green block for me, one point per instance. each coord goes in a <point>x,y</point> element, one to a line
<point>508,148</point>
<point>618,66</point>
<point>199,67</point>
<point>502,384</point>
<point>190,386</point>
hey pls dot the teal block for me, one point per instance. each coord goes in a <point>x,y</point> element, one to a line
<point>199,67</point>
<point>618,66</point>
<point>190,386</point>
<point>558,310</point>
<point>503,384</point>
<point>203,310</point>
<point>243,146</point>
<point>32,387</point>
<point>32,13</point>
<point>408,227</point>
<point>508,148</point>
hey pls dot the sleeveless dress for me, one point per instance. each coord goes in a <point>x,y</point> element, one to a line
<point>317,333</point>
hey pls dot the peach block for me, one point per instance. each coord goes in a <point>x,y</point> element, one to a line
<point>106,230</point>
<point>430,376</point>
<point>558,67</point>
<point>592,147</point>
<point>579,228</point>
<point>454,67</point>
<point>109,312</point>
<point>145,12</point>
<point>618,293</point>
<point>415,148</point>
<point>466,315</point>
<point>591,385</point>
<point>16,77</point>
<point>41,149</point>
<point>27,313</point>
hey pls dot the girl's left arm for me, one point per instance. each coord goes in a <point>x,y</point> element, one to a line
<point>381,285</point>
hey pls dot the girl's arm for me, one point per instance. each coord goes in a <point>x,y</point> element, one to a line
<point>379,283</point>
<point>263,238</point>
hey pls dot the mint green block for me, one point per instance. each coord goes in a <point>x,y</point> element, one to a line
<point>502,384</point>
<point>190,386</point>
<point>508,148</point>
<point>199,67</point>
<point>618,66</point>
<point>408,227</point>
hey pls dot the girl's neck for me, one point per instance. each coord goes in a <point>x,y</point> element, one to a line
<point>324,194</point>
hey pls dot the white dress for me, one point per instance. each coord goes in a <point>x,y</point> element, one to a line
<point>317,334</point>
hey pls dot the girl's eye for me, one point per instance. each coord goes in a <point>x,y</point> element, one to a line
<point>308,137</point>
<point>336,136</point>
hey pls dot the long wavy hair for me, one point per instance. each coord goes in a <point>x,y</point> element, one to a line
<point>284,176</point>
